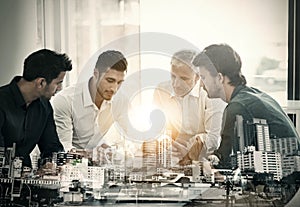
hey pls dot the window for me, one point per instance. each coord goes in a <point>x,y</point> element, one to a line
<point>257,30</point>
<point>81,28</point>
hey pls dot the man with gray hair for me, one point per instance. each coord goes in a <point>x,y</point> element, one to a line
<point>193,118</point>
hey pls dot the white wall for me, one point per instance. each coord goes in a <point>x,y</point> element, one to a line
<point>18,36</point>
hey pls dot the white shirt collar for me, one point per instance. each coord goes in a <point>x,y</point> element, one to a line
<point>87,99</point>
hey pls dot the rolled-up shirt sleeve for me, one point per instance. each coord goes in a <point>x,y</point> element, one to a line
<point>213,124</point>
<point>63,119</point>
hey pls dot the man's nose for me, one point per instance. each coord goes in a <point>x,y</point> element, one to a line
<point>59,88</point>
<point>176,82</point>
<point>114,87</point>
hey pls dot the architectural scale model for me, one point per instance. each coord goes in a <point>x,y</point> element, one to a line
<point>83,176</point>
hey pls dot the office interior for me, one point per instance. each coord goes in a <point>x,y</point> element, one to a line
<point>264,33</point>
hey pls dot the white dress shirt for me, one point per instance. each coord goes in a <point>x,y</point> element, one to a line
<point>192,115</point>
<point>80,124</point>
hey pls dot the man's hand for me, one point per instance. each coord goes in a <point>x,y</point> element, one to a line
<point>193,153</point>
<point>104,146</point>
<point>178,149</point>
<point>47,169</point>
<point>213,159</point>
<point>105,151</point>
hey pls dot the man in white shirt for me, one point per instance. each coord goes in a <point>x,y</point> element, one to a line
<point>194,119</point>
<point>83,112</point>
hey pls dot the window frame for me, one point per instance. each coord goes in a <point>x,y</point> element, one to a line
<point>293,87</point>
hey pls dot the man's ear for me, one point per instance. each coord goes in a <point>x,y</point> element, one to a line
<point>197,77</point>
<point>221,77</point>
<point>40,82</point>
<point>96,73</point>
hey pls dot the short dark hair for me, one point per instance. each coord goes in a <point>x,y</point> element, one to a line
<point>221,58</point>
<point>111,59</point>
<point>47,64</point>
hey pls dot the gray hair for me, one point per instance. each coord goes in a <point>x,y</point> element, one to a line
<point>185,57</point>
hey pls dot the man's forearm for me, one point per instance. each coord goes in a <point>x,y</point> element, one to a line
<point>193,153</point>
